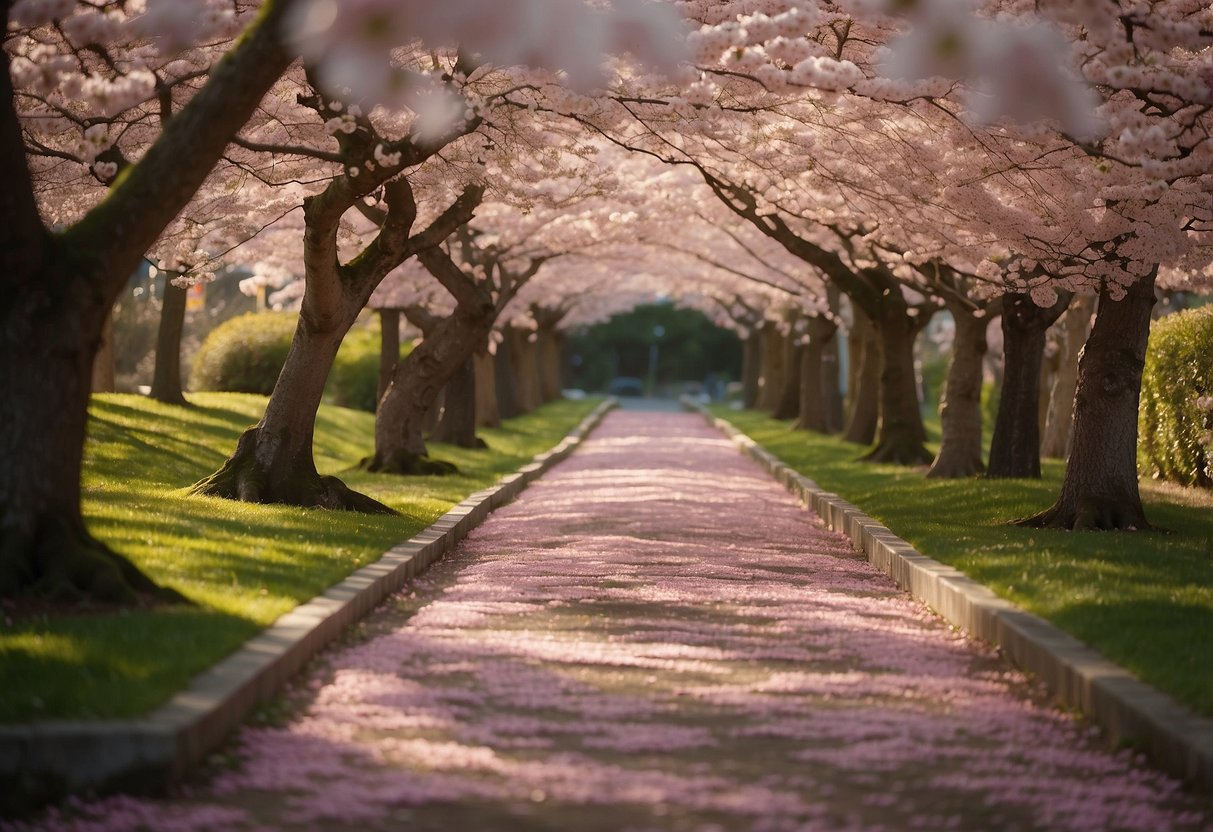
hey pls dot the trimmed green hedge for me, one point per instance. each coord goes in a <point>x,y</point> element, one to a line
<point>246,353</point>
<point>1174,430</point>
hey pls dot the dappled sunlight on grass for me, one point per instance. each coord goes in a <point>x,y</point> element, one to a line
<point>242,565</point>
<point>1144,599</point>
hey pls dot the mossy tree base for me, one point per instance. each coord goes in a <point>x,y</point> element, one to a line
<point>62,563</point>
<point>1091,514</point>
<point>244,477</point>
<point>407,464</point>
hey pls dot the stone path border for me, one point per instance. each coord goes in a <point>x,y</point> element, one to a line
<point>55,758</point>
<point>1174,737</point>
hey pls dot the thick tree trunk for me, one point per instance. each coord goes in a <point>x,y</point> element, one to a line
<point>273,460</point>
<point>399,426</point>
<point>815,379</point>
<point>458,423</point>
<point>45,550</point>
<point>751,368</point>
<point>960,446</point>
<point>788,406</point>
<point>1056,442</point>
<point>1015,448</point>
<point>551,362</point>
<point>524,365</point>
<point>166,378</point>
<point>503,377</point>
<point>389,348</point>
<point>1100,489</point>
<point>57,291</point>
<point>486,391</point>
<point>899,432</point>
<point>773,356</point>
<point>103,362</point>
<point>863,386</point>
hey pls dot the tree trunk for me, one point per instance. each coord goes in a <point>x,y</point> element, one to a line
<point>58,288</point>
<point>458,423</point>
<point>863,386</point>
<point>103,361</point>
<point>399,427</point>
<point>1100,489</point>
<point>751,368</point>
<point>524,364</point>
<point>45,550</point>
<point>486,392</point>
<point>1056,442</point>
<point>273,460</point>
<point>815,403</point>
<point>830,390</point>
<point>551,357</point>
<point>788,406</point>
<point>166,379</point>
<point>899,432</point>
<point>960,446</point>
<point>1015,448</point>
<point>773,356</point>
<point>389,348</point>
<point>503,378</point>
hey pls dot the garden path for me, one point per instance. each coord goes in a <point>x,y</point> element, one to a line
<point>656,636</point>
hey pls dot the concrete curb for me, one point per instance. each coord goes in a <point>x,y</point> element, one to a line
<point>47,760</point>
<point>1175,738</point>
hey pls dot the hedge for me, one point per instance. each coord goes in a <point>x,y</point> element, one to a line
<point>1175,425</point>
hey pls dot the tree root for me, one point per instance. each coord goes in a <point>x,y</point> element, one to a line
<point>243,478</point>
<point>61,562</point>
<point>899,453</point>
<point>956,468</point>
<point>407,464</point>
<point>1090,514</point>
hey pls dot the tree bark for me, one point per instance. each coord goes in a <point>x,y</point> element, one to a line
<point>863,385</point>
<point>503,378</point>
<point>486,392</point>
<point>1056,442</point>
<point>551,362</point>
<point>831,391</point>
<point>524,366</point>
<point>788,406</point>
<point>815,380</point>
<point>751,368</point>
<point>273,460</point>
<point>399,427</point>
<point>1015,448</point>
<point>58,290</point>
<point>166,378</point>
<point>960,446</point>
<point>458,423</point>
<point>389,348</point>
<point>900,434</point>
<point>1100,488</point>
<point>45,550</point>
<point>103,362</point>
<point>773,356</point>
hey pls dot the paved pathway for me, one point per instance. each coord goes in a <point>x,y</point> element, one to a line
<point>656,637</point>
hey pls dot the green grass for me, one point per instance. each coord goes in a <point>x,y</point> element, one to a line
<point>243,565</point>
<point>1145,600</point>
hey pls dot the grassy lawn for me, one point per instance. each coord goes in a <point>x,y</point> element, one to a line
<point>243,565</point>
<point>1145,600</point>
